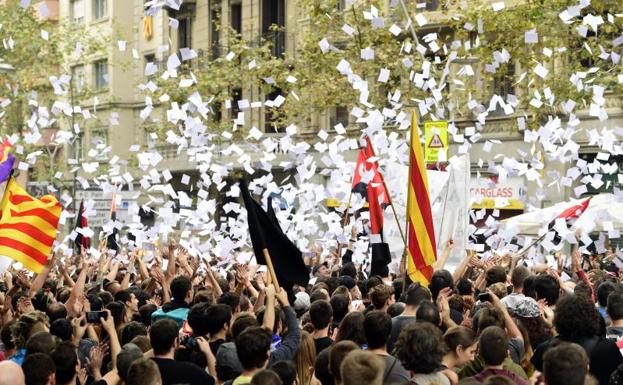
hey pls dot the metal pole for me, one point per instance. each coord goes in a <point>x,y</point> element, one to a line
<point>406,12</point>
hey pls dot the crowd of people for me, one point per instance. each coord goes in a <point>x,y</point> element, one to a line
<point>180,320</point>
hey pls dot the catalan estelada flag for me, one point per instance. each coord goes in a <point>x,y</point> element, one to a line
<point>6,160</point>
<point>27,226</point>
<point>378,198</point>
<point>422,250</point>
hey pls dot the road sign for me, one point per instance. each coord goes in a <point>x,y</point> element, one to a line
<point>436,141</point>
<point>102,203</point>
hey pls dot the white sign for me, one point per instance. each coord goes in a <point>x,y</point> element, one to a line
<point>102,205</point>
<point>491,193</point>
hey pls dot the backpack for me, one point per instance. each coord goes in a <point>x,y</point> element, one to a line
<point>178,315</point>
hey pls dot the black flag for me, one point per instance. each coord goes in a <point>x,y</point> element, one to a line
<point>111,241</point>
<point>271,214</point>
<point>266,234</point>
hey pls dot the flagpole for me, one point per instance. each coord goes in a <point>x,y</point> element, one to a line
<point>271,269</point>
<point>6,186</point>
<point>112,204</point>
<point>531,245</point>
<point>350,196</point>
<point>443,212</point>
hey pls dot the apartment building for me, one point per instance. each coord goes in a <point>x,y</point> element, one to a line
<point>203,26</point>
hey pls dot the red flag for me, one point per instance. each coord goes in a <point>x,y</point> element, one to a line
<point>81,222</point>
<point>569,215</point>
<point>374,189</point>
<point>575,211</point>
<point>378,200</point>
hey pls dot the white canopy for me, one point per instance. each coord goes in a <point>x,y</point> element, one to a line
<point>604,213</point>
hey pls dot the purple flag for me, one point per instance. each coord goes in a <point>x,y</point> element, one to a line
<point>6,167</point>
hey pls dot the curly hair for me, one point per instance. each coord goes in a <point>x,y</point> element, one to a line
<point>536,328</point>
<point>576,317</point>
<point>420,347</point>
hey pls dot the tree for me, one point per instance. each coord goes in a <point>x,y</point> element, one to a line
<point>40,91</point>
<point>476,53</point>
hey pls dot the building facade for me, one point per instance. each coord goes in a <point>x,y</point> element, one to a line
<point>205,25</point>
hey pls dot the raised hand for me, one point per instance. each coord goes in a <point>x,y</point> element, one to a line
<point>259,279</point>
<point>282,297</point>
<point>22,279</point>
<point>155,300</point>
<point>242,274</point>
<point>24,305</point>
<point>80,327</point>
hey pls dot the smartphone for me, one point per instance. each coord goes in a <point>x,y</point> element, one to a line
<point>484,297</point>
<point>93,317</point>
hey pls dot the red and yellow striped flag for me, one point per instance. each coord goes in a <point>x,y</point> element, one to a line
<point>422,251</point>
<point>28,226</point>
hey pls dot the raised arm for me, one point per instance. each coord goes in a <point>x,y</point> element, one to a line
<point>511,326</point>
<point>112,274</point>
<point>142,268</point>
<point>441,262</point>
<point>125,283</point>
<point>159,277</point>
<point>269,311</point>
<point>170,274</point>
<point>290,344</point>
<point>213,280</point>
<point>78,289</point>
<point>41,277</point>
<point>462,267</point>
<point>108,324</point>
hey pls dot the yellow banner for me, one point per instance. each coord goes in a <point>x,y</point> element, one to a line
<point>487,203</point>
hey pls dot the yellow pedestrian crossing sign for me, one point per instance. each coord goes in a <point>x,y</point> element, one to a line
<point>436,141</point>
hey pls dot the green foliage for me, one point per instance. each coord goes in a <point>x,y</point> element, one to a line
<point>319,86</point>
<point>37,63</point>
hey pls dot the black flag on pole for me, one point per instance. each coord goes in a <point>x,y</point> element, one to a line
<point>267,234</point>
<point>111,241</point>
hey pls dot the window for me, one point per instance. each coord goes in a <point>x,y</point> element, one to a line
<point>77,11</point>
<point>273,14</point>
<point>100,68</point>
<point>78,146</point>
<point>236,17</point>
<point>78,77</point>
<point>99,142</point>
<point>215,34</point>
<point>237,96</point>
<point>100,9</point>
<point>151,58</point>
<point>184,33</point>
<point>99,136</point>
<point>427,5</point>
<point>217,113</point>
<point>503,86</point>
<point>338,115</point>
<point>271,114</point>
